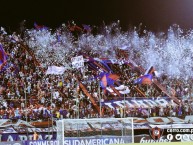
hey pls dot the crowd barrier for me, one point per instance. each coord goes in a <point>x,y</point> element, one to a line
<point>165,143</point>
<point>42,142</point>
<point>56,142</point>
<point>31,142</point>
<point>12,143</point>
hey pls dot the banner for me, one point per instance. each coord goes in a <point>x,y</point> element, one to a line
<point>98,140</point>
<point>77,62</point>
<point>11,143</point>
<point>138,102</point>
<point>42,142</point>
<point>145,138</point>
<point>26,136</point>
<point>55,70</point>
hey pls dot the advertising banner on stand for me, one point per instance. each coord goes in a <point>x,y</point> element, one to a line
<point>98,140</point>
<point>12,143</point>
<point>138,102</point>
<point>42,142</point>
<point>23,137</point>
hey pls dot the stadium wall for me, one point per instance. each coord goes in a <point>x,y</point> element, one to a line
<point>165,143</point>
<point>56,142</point>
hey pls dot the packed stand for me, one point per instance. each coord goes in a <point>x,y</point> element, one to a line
<point>28,94</point>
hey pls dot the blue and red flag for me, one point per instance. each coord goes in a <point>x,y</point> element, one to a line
<point>40,27</point>
<point>150,70</point>
<point>145,79</point>
<point>3,57</point>
<point>74,28</point>
<point>107,79</point>
<point>104,63</point>
<point>87,28</point>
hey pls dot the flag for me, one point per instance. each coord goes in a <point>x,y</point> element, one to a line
<point>103,82</point>
<point>113,77</point>
<point>3,57</point>
<point>55,70</point>
<point>126,91</point>
<point>75,28</point>
<point>150,70</point>
<point>87,28</point>
<point>92,66</point>
<point>145,79</point>
<point>103,62</point>
<point>40,27</point>
<point>107,79</point>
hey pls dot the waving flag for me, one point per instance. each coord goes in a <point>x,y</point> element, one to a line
<point>40,27</point>
<point>3,55</point>
<point>87,28</point>
<point>104,63</point>
<point>3,59</point>
<point>55,70</point>
<point>150,70</point>
<point>75,28</point>
<point>103,81</point>
<point>107,79</point>
<point>145,79</point>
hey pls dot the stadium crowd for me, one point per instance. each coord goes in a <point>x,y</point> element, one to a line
<point>27,93</point>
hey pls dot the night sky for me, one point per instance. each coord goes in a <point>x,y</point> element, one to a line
<point>155,15</point>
